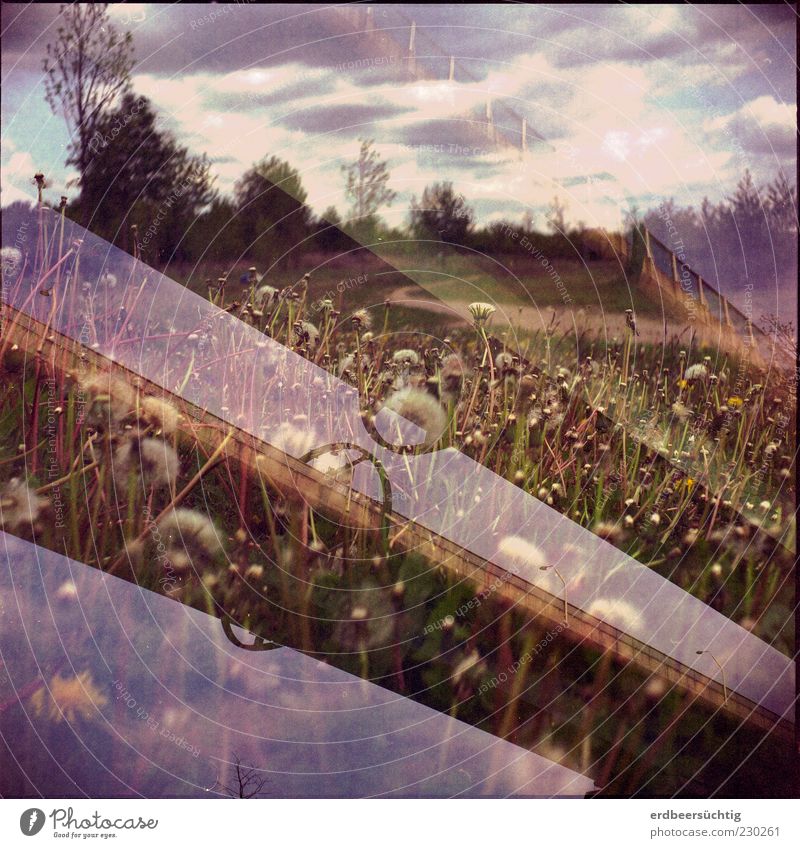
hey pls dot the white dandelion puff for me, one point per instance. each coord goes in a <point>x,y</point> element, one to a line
<point>695,373</point>
<point>405,357</point>
<point>19,505</point>
<point>524,557</point>
<point>191,529</point>
<point>154,458</point>
<point>161,413</point>
<point>294,440</point>
<point>618,613</point>
<point>421,409</point>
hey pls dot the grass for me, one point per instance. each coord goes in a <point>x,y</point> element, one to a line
<point>691,475</point>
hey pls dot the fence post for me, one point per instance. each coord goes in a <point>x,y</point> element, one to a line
<point>726,311</point>
<point>675,278</point>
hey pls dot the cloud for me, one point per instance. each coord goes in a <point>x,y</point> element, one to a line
<point>630,102</point>
<point>763,127</point>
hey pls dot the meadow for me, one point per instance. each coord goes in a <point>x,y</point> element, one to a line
<point>680,456</point>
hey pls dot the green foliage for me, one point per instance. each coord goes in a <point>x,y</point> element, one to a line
<point>441,215</point>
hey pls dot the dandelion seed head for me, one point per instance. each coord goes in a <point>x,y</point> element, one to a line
<point>265,295</point>
<point>154,458</point>
<point>293,438</point>
<point>405,357</point>
<point>192,529</point>
<point>696,372</point>
<point>161,413</point>
<point>308,333</point>
<point>619,613</point>
<point>680,410</point>
<point>118,394</point>
<point>361,319</point>
<point>11,260</point>
<point>420,408</point>
<point>525,558</point>
<point>20,506</point>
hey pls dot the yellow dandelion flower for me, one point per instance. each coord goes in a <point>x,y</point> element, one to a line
<point>689,484</point>
<point>68,698</point>
<point>735,401</point>
<point>682,384</point>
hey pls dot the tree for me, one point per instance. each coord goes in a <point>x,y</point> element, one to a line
<point>216,235</point>
<point>366,189</point>
<point>270,201</point>
<point>782,205</point>
<point>556,220</point>
<point>139,174</point>
<point>747,209</point>
<point>86,69</point>
<point>441,215</point>
<point>329,233</point>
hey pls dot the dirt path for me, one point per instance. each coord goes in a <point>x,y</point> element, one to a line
<point>530,318</point>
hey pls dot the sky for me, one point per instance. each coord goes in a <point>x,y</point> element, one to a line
<point>623,105</point>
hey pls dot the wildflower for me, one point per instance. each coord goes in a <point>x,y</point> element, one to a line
<point>19,505</point>
<point>160,413</point>
<point>69,697</point>
<point>254,572</point>
<point>481,312</point>
<point>420,408</point>
<point>695,373</point>
<point>191,529</point>
<point>526,558</point>
<point>405,357</point>
<point>156,460</point>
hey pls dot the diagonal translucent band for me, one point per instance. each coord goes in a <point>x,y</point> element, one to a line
<point>474,522</point>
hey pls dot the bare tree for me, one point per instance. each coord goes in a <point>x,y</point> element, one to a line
<point>249,784</point>
<point>86,68</point>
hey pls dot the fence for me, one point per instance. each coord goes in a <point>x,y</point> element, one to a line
<point>706,307</point>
